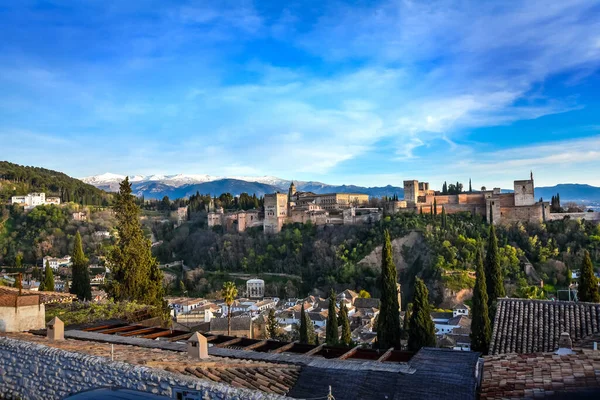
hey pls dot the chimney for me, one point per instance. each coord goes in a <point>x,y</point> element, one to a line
<point>197,346</point>
<point>55,329</point>
<point>565,345</point>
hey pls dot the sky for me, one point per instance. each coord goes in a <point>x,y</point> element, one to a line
<point>364,92</point>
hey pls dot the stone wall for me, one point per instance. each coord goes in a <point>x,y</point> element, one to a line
<point>32,371</point>
<point>588,216</point>
<point>25,313</point>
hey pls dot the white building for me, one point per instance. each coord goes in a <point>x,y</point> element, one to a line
<point>34,199</point>
<point>255,288</point>
<point>56,263</point>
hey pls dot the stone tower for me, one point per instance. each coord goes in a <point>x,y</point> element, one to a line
<point>292,190</point>
<point>411,191</point>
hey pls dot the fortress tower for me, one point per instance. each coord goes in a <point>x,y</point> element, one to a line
<point>411,191</point>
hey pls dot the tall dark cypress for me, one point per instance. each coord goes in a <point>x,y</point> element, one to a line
<point>470,187</point>
<point>444,218</point>
<point>445,188</point>
<point>494,278</point>
<point>588,283</point>
<point>421,330</point>
<point>331,330</point>
<point>388,322</point>
<point>434,207</point>
<point>81,276</point>
<point>346,338</point>
<point>481,331</point>
<point>303,326</point>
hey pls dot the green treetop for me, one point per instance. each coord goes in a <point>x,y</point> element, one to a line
<point>272,325</point>
<point>48,282</point>
<point>135,273</point>
<point>388,323</point>
<point>229,293</point>
<point>421,330</point>
<point>481,330</point>
<point>307,329</point>
<point>588,283</point>
<point>494,278</point>
<point>81,277</point>
<point>331,330</point>
<point>346,338</point>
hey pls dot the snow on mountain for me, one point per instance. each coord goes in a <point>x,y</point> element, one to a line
<point>180,179</point>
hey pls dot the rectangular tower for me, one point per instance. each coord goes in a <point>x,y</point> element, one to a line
<point>524,193</point>
<point>411,191</point>
<point>276,211</point>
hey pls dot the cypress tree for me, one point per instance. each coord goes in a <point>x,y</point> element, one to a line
<point>135,273</point>
<point>421,330</point>
<point>444,220</point>
<point>493,274</point>
<point>303,326</point>
<point>346,339</point>
<point>272,325</point>
<point>445,188</point>
<point>421,210</point>
<point>470,187</point>
<point>434,207</point>
<point>481,331</point>
<point>406,322</point>
<point>388,323</point>
<point>81,276</point>
<point>588,283</point>
<point>331,330</point>
<point>48,281</point>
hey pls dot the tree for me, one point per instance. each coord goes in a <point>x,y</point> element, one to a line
<point>135,273</point>
<point>481,331</point>
<point>406,322</point>
<point>19,260</point>
<point>331,330</point>
<point>19,282</point>
<point>444,218</point>
<point>434,206</point>
<point>346,338</point>
<point>272,325</point>
<point>588,283</point>
<point>470,187</point>
<point>181,286</point>
<point>445,188</point>
<point>48,281</point>
<point>363,294</point>
<point>81,276</point>
<point>388,323</point>
<point>229,293</point>
<point>494,279</point>
<point>307,329</point>
<point>421,330</point>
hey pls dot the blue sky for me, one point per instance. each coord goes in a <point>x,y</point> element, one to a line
<point>362,92</point>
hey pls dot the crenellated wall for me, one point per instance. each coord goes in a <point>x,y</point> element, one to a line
<point>33,371</point>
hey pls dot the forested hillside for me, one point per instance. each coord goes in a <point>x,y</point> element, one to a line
<point>26,237</point>
<point>328,257</point>
<point>18,180</point>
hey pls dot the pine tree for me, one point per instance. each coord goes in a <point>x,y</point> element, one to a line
<point>421,331</point>
<point>48,281</point>
<point>331,330</point>
<point>588,283</point>
<point>81,276</point>
<point>272,325</point>
<point>135,273</point>
<point>388,323</point>
<point>481,331</point>
<point>346,338</point>
<point>494,279</point>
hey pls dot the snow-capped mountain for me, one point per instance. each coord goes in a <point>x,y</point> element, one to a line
<point>179,179</point>
<point>184,185</point>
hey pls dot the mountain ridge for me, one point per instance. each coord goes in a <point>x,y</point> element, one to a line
<point>184,185</point>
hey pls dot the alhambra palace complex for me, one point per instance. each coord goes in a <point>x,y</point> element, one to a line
<point>351,208</point>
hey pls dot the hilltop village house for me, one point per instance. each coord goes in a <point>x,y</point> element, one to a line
<point>34,199</point>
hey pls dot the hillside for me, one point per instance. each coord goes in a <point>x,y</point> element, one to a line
<point>18,180</point>
<point>570,192</point>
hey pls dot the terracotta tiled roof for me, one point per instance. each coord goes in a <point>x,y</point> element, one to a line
<point>532,326</point>
<point>360,302</point>
<point>45,297</point>
<point>508,376</point>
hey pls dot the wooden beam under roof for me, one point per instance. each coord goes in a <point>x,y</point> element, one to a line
<point>386,355</point>
<point>121,329</point>
<point>349,353</point>
<point>283,348</point>
<point>229,342</point>
<point>315,350</point>
<point>138,332</point>
<point>256,345</point>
